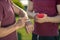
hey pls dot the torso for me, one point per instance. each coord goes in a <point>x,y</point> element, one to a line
<point>48,7</point>
<point>8,19</point>
<point>8,13</point>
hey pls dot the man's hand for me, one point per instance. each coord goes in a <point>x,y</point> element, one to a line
<point>29,27</point>
<point>41,20</point>
<point>20,23</point>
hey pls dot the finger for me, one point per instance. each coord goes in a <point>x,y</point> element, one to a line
<point>28,30</point>
<point>31,29</point>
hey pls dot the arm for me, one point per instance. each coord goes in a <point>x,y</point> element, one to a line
<point>19,11</point>
<point>55,19</point>
<point>30,11</point>
<point>6,31</point>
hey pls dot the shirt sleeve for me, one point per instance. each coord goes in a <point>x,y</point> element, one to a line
<point>1,13</point>
<point>58,1</point>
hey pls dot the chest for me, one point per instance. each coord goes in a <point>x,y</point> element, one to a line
<point>7,10</point>
<point>44,2</point>
<point>45,6</point>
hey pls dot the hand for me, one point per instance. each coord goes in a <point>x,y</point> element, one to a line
<point>20,23</point>
<point>42,20</point>
<point>29,27</point>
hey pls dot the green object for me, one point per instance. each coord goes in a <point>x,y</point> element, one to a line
<point>18,3</point>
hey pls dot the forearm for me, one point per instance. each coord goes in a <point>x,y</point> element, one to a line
<point>31,14</point>
<point>19,11</point>
<point>55,19</point>
<point>23,13</point>
<point>30,11</point>
<point>7,31</point>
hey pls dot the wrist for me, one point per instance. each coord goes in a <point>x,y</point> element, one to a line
<point>48,19</point>
<point>27,20</point>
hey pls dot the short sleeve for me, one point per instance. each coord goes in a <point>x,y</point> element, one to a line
<point>58,1</point>
<point>1,12</point>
